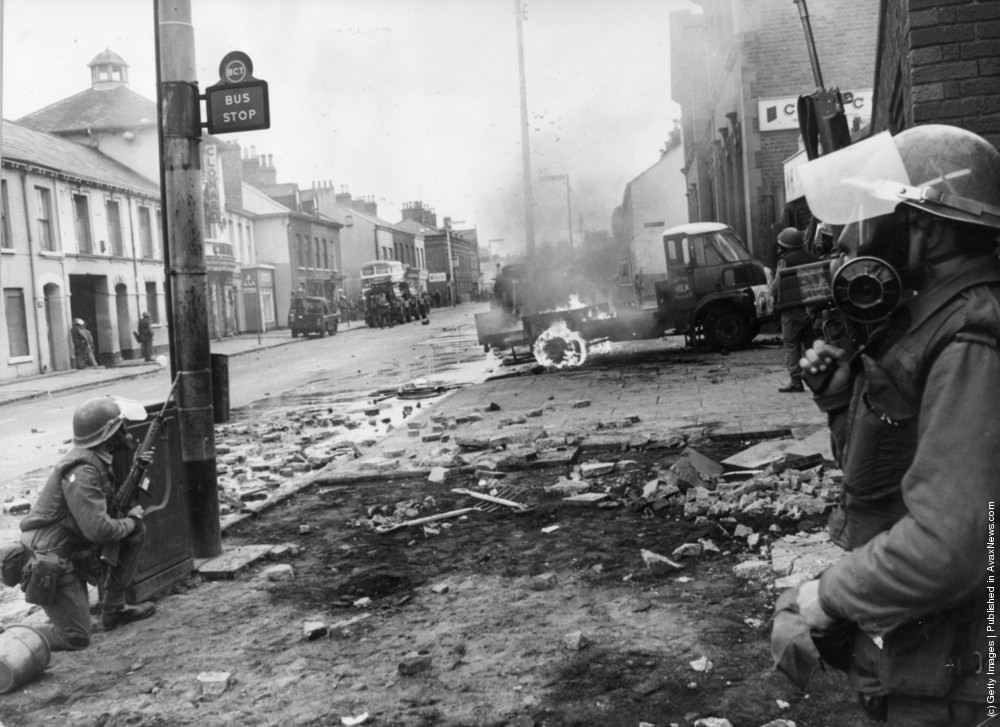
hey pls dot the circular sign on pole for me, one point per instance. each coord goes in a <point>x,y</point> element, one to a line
<point>236,67</point>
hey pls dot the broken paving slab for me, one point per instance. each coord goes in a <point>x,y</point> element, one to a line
<point>229,563</point>
<point>761,454</point>
<point>802,557</point>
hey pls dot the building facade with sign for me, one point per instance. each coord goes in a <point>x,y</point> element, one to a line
<point>736,66</point>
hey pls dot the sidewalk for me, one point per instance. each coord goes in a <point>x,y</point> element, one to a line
<point>56,382</point>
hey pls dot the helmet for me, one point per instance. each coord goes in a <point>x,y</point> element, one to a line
<point>97,419</point>
<point>790,239</point>
<point>956,171</point>
<point>77,321</point>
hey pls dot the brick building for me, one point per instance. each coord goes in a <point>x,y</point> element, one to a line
<point>737,71</point>
<point>938,62</point>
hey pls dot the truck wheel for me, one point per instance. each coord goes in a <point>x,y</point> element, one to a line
<point>322,331</point>
<point>336,324</point>
<point>726,328</point>
<point>295,333</point>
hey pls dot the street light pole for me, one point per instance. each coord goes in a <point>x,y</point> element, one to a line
<point>569,208</point>
<point>451,260</point>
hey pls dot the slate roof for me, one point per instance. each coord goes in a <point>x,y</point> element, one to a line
<point>27,146</point>
<point>105,109</point>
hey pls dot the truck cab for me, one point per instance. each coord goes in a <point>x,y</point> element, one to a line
<point>712,288</point>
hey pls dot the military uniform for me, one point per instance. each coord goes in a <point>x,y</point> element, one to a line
<point>918,438</point>
<point>70,520</point>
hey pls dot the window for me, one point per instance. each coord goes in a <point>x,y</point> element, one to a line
<point>46,239</point>
<point>300,253</point>
<point>151,306</point>
<point>114,227</point>
<point>17,322</point>
<point>5,236</point>
<point>81,223</point>
<point>145,234</point>
<point>159,225</point>
<point>315,259</point>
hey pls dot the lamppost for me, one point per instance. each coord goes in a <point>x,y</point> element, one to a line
<point>451,260</point>
<point>569,208</point>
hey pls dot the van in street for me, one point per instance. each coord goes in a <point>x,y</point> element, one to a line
<point>312,315</point>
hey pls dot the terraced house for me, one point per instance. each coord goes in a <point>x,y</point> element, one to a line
<point>80,239</point>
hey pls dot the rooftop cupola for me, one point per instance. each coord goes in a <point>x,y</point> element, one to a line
<point>108,70</point>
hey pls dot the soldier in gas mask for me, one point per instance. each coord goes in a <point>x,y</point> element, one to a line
<point>914,422</point>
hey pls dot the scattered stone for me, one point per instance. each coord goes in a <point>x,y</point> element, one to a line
<point>279,572</point>
<point>363,602</point>
<point>706,466</point>
<point>779,722</point>
<point>752,569</point>
<point>702,664</point>
<point>596,469</point>
<point>440,588</point>
<point>305,529</point>
<point>568,487</point>
<point>543,581</point>
<point>687,550</point>
<point>586,498</point>
<point>659,564</point>
<point>438,475</point>
<point>582,404</point>
<point>313,630</point>
<point>343,628</point>
<point>742,531</point>
<point>713,722</point>
<point>493,406</point>
<point>575,640</point>
<point>214,683</point>
<point>414,663</point>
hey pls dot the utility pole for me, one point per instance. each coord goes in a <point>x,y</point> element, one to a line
<point>184,258</point>
<point>451,261</point>
<point>529,204</point>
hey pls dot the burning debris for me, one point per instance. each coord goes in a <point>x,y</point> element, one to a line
<point>560,347</point>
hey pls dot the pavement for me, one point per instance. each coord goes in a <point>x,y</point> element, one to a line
<point>660,391</point>
<point>56,382</point>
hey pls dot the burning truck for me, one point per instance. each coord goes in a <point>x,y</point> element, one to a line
<point>708,288</point>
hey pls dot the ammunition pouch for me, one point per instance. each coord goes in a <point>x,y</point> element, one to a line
<point>13,558</point>
<point>925,658</point>
<point>40,579</point>
<point>834,644</point>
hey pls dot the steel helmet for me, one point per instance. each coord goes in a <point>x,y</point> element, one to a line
<point>790,239</point>
<point>97,419</point>
<point>77,321</point>
<point>956,172</point>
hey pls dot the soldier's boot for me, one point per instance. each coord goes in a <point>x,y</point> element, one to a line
<point>115,616</point>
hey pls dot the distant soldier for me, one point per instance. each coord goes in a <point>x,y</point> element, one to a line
<point>83,344</point>
<point>145,337</point>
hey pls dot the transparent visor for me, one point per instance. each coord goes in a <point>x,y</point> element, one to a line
<point>864,180</point>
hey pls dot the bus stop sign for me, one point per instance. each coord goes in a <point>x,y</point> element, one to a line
<point>238,102</point>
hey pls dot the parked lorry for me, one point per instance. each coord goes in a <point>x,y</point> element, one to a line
<point>707,287</point>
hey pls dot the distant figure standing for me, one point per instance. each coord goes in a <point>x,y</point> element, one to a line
<point>796,326</point>
<point>83,344</point>
<point>145,336</point>
<point>637,283</point>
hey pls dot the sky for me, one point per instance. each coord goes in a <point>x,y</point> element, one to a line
<point>404,100</point>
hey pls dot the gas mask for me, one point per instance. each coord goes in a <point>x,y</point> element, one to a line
<point>878,188</point>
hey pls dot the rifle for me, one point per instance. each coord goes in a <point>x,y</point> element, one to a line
<point>136,479</point>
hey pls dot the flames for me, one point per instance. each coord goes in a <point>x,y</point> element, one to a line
<point>560,347</point>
